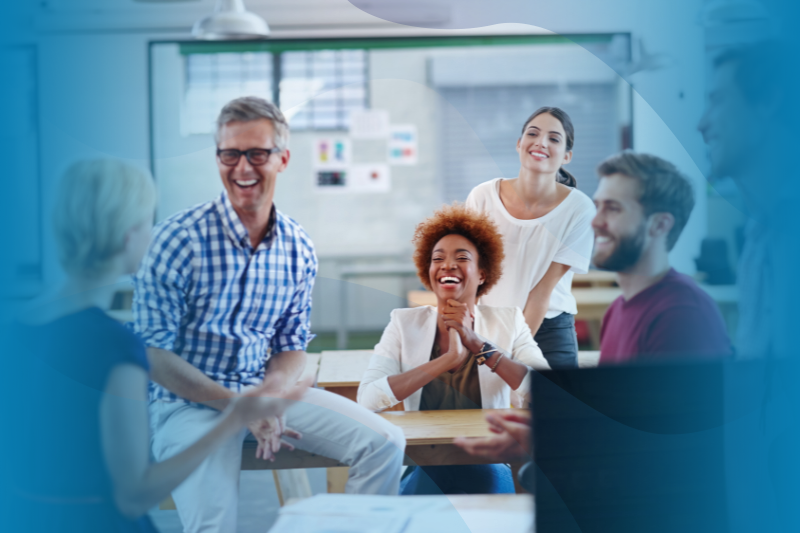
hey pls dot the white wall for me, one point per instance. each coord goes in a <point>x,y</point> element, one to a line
<point>94,101</point>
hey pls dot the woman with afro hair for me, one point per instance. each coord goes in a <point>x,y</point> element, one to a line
<point>459,355</point>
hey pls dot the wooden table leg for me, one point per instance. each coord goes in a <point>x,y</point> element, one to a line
<point>337,479</point>
<point>292,485</point>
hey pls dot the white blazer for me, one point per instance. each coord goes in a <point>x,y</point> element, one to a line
<point>407,342</point>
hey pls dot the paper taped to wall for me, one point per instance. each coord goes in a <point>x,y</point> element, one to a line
<point>402,145</point>
<point>369,124</point>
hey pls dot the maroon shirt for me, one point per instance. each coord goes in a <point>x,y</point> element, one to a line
<point>672,319</point>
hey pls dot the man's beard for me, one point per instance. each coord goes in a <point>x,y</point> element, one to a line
<point>627,252</point>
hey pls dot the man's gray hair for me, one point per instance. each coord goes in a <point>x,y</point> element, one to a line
<point>250,108</point>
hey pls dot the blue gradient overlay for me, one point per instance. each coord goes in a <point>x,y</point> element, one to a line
<point>88,104</point>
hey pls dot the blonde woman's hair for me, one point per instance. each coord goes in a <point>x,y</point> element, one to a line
<point>98,203</point>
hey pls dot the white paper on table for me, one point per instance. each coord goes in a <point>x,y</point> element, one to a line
<point>452,520</point>
<point>505,521</point>
<point>345,513</point>
<point>357,523</point>
<point>369,124</point>
<point>348,504</point>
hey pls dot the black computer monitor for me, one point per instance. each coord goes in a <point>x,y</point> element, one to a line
<point>634,448</point>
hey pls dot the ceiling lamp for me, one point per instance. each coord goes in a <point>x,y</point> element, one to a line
<point>230,20</point>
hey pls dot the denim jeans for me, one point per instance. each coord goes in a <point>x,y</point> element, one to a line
<point>458,479</point>
<point>558,341</point>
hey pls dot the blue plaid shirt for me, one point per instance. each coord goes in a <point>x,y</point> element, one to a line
<point>205,294</point>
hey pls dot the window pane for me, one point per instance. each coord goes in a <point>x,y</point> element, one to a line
<point>213,80</point>
<point>319,89</point>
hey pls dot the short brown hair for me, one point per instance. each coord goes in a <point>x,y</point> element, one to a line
<point>663,188</point>
<point>476,227</point>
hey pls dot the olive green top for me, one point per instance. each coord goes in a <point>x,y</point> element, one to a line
<point>453,390</point>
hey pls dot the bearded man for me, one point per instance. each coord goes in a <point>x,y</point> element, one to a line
<point>643,203</point>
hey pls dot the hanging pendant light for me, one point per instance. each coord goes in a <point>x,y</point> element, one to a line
<point>230,20</point>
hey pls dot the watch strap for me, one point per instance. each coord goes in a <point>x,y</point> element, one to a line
<point>487,350</point>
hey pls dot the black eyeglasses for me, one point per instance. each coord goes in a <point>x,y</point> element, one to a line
<point>255,156</point>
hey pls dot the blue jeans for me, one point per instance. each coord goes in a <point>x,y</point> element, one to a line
<point>458,479</point>
<point>559,343</point>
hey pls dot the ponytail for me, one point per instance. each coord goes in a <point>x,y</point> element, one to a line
<point>566,178</point>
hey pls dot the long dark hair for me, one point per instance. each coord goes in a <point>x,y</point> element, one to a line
<point>563,176</point>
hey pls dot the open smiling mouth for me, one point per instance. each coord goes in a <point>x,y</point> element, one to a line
<point>449,280</point>
<point>245,184</point>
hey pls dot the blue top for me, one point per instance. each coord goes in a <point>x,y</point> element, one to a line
<point>205,294</point>
<point>60,476</point>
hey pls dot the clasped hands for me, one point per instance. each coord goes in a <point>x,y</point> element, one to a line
<point>262,408</point>
<point>459,321</point>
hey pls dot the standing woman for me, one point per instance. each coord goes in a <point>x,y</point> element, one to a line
<point>547,235</point>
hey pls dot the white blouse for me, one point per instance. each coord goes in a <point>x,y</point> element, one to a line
<point>564,235</point>
<point>407,341</point>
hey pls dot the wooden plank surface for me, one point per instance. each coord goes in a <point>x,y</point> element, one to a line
<point>594,278</point>
<point>441,427</point>
<point>440,455</point>
<point>342,368</point>
<point>596,295</point>
<point>588,358</point>
<point>284,459</point>
<point>429,441</point>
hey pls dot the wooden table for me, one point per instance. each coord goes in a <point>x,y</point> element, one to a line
<point>593,302</point>
<point>340,371</point>
<point>430,434</point>
<point>594,278</point>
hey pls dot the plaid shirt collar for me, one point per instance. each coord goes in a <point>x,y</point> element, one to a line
<point>234,228</point>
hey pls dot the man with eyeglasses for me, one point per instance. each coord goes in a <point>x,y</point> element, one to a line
<point>223,301</point>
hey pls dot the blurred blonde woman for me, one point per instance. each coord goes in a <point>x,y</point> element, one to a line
<point>84,462</point>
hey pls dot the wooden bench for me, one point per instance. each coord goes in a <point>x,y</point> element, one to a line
<point>290,482</point>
